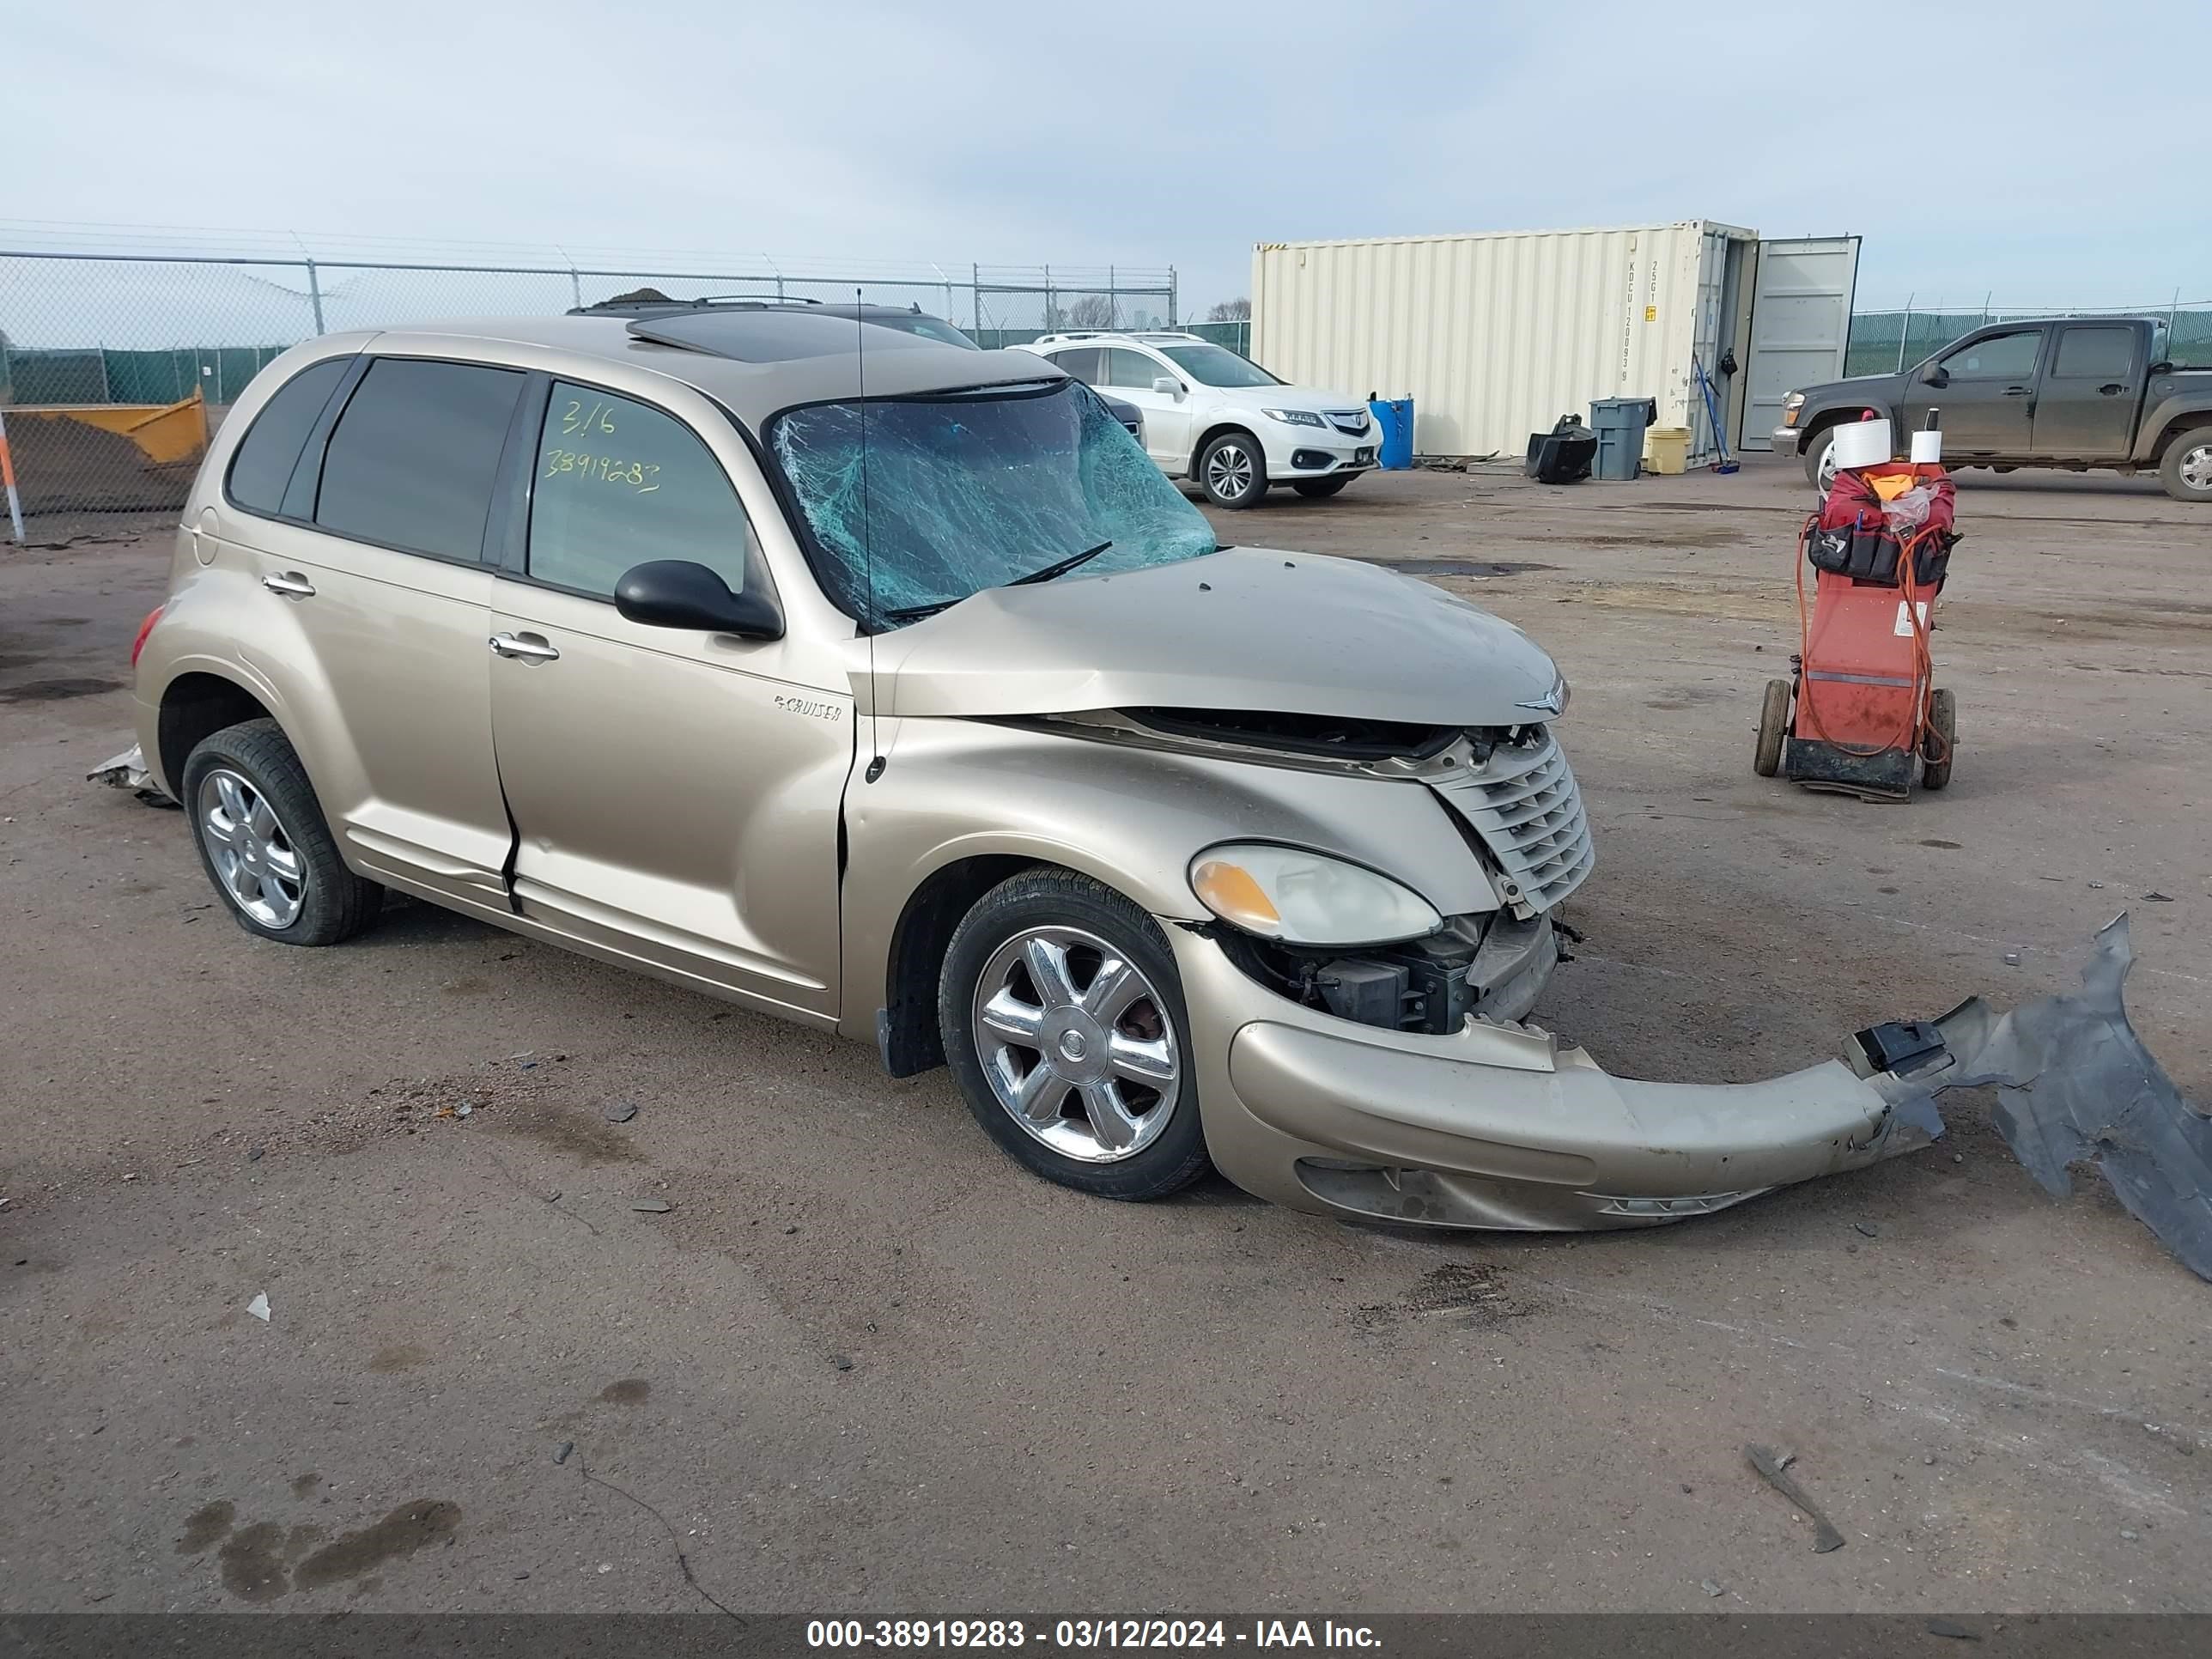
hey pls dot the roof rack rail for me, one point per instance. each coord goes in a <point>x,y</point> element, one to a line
<point>628,307</point>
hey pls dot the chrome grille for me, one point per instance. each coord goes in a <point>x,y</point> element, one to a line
<point>1526,807</point>
<point>1354,421</point>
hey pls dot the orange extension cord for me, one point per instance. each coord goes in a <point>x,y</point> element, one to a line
<point>1916,728</point>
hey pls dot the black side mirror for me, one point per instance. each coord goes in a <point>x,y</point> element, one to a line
<point>678,594</point>
<point>1935,375</point>
<point>2161,366</point>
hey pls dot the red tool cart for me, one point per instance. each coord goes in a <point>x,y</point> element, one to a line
<point>1861,713</point>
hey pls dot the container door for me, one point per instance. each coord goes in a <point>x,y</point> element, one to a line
<point>1800,324</point>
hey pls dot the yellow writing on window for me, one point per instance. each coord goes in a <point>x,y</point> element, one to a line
<point>575,418</point>
<point>639,476</point>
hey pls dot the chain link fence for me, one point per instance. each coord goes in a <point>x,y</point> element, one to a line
<point>117,367</point>
<point>1885,342</point>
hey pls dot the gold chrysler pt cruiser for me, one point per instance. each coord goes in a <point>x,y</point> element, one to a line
<point>888,686</point>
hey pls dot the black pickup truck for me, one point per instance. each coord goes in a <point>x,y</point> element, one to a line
<point>2075,392</point>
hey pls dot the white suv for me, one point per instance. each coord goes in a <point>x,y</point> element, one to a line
<point>1220,419</point>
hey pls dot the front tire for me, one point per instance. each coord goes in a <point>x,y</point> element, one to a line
<point>1820,471</point>
<point>1319,489</point>
<point>263,843</point>
<point>1063,1024</point>
<point>1232,470</point>
<point>2186,467</point>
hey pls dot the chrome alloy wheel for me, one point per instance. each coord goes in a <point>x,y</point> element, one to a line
<point>1077,1044</point>
<point>252,855</point>
<point>2195,467</point>
<point>1229,472</point>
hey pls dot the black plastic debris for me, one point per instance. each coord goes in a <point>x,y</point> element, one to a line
<point>2076,1084</point>
<point>1563,455</point>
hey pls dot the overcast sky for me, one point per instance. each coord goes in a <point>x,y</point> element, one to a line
<point>2050,153</point>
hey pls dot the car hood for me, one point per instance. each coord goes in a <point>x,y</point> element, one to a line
<point>1299,397</point>
<point>1872,388</point>
<point>1242,628</point>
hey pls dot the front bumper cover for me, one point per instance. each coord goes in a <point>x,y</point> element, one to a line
<point>1785,440</point>
<point>1507,1127</point>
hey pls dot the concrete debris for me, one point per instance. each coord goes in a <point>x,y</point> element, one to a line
<point>1711,1587</point>
<point>260,1306</point>
<point>622,1111</point>
<point>651,1206</point>
<point>2076,1084</point>
<point>128,771</point>
<point>567,1447</point>
<point>1772,1467</point>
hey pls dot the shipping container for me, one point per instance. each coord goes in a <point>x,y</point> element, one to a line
<point>1495,336</point>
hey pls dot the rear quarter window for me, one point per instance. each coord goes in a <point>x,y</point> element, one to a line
<point>413,460</point>
<point>270,449</point>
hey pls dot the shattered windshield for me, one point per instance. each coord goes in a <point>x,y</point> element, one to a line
<point>956,492</point>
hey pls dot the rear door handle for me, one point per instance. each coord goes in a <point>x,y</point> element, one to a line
<point>290,583</point>
<point>525,647</point>
<point>2112,390</point>
<point>2015,392</point>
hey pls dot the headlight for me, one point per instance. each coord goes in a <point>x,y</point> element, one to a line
<point>1293,416</point>
<point>1790,405</point>
<point>1307,898</point>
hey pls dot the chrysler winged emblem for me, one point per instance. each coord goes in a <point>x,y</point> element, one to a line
<point>1550,703</point>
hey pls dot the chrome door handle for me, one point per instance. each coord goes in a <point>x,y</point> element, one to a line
<point>290,583</point>
<point>524,647</point>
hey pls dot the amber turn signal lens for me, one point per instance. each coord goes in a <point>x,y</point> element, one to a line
<point>1231,893</point>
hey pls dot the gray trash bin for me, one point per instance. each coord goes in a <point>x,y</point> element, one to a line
<point>1620,424</point>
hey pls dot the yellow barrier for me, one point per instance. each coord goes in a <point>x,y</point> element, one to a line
<point>164,433</point>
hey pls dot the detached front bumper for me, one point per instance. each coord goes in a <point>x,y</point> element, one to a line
<point>1504,1125</point>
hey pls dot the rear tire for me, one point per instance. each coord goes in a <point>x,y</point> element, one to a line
<point>263,842</point>
<point>1941,739</point>
<point>1318,490</point>
<point>2185,469</point>
<point>1232,470</point>
<point>1773,727</point>
<point>1091,1123</point>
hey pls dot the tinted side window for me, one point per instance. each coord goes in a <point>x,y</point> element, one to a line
<point>618,483</point>
<point>1083,363</point>
<point>263,464</point>
<point>1132,369</point>
<point>413,459</point>
<point>2000,357</point>
<point>2095,354</point>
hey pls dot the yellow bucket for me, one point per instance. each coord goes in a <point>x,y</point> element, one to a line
<point>1667,449</point>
